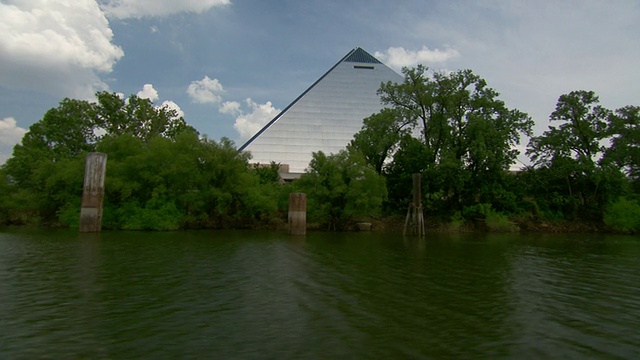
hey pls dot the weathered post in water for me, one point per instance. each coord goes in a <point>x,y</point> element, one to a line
<point>93,192</point>
<point>297,214</point>
<point>415,217</point>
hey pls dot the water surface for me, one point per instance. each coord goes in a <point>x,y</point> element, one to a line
<point>234,294</point>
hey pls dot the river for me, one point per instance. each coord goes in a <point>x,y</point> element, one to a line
<point>266,295</point>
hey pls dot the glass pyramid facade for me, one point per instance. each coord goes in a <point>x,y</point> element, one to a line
<point>326,116</point>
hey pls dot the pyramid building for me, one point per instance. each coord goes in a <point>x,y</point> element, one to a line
<point>324,117</point>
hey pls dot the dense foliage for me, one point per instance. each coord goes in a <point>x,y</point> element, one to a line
<point>161,175</point>
<point>450,127</point>
<point>341,188</point>
<point>454,130</point>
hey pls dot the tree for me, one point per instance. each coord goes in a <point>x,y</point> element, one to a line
<point>54,148</point>
<point>624,150</point>
<point>407,160</point>
<point>469,135</point>
<point>340,188</point>
<point>379,137</point>
<point>136,116</point>
<point>569,153</point>
<point>186,182</point>
<point>419,102</point>
<point>64,132</point>
<point>578,137</point>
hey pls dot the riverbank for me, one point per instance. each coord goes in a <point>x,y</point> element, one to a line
<point>396,224</point>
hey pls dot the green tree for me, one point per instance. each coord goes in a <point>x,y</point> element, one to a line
<point>468,134</point>
<point>6,204</point>
<point>419,101</point>
<point>340,188</point>
<point>578,136</point>
<point>624,150</point>
<point>568,153</point>
<point>407,160</point>
<point>136,116</point>
<point>623,215</point>
<point>64,132</point>
<point>47,166</point>
<point>379,137</point>
<point>186,182</point>
<point>268,174</point>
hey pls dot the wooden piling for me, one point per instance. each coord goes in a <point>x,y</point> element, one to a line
<point>415,218</point>
<point>297,214</point>
<point>93,192</point>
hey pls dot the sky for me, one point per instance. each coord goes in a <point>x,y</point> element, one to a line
<point>229,66</point>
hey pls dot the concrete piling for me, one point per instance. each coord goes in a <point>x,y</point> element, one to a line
<point>93,192</point>
<point>297,214</point>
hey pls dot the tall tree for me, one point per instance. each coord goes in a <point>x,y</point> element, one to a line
<point>419,102</point>
<point>583,125</point>
<point>136,116</point>
<point>469,135</point>
<point>624,150</point>
<point>64,132</point>
<point>47,164</point>
<point>379,137</point>
<point>569,152</point>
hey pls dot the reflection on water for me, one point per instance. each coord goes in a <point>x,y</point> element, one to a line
<point>362,295</point>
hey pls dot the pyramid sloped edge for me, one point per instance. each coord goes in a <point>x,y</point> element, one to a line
<point>355,55</point>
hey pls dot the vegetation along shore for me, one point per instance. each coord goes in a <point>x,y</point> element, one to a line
<point>452,128</point>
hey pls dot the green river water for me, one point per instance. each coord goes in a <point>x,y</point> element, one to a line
<point>266,295</point>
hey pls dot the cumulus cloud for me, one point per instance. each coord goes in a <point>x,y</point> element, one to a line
<point>55,46</point>
<point>10,135</point>
<point>169,104</point>
<point>250,116</point>
<point>205,91</point>
<point>257,116</point>
<point>122,9</point>
<point>148,92</point>
<point>231,108</point>
<point>398,57</point>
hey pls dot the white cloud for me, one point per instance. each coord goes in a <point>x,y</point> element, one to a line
<point>230,107</point>
<point>398,57</point>
<point>250,116</point>
<point>10,135</point>
<point>169,104</point>
<point>58,46</point>
<point>532,52</point>
<point>205,91</point>
<point>148,92</point>
<point>122,9</point>
<point>247,124</point>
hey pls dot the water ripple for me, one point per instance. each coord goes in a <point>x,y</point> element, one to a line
<point>266,295</point>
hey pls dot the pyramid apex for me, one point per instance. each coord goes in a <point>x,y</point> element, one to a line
<point>359,55</point>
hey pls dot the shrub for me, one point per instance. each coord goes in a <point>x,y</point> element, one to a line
<point>476,212</point>
<point>623,215</point>
<point>457,222</point>
<point>498,222</point>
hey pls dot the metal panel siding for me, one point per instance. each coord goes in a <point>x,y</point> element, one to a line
<point>325,118</point>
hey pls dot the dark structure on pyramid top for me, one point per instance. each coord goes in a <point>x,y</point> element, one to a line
<point>325,116</point>
<point>361,56</point>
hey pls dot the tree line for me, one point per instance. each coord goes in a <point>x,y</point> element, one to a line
<point>450,127</point>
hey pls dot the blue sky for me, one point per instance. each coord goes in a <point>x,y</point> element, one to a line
<point>230,65</point>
